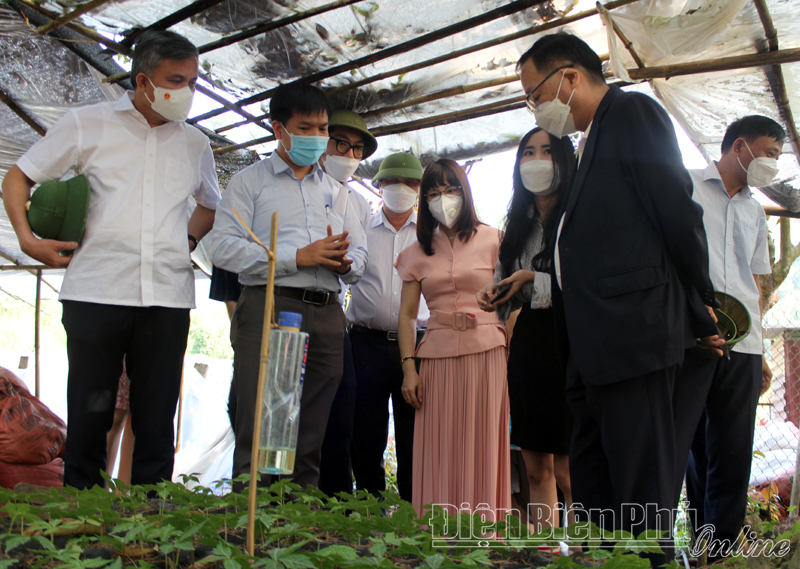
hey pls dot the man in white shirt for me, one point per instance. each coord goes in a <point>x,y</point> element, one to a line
<point>716,397</point>
<point>317,246</point>
<point>350,142</point>
<point>373,313</point>
<point>129,285</point>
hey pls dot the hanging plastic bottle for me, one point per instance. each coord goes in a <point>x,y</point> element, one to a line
<point>283,387</point>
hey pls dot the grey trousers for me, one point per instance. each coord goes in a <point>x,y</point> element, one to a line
<point>326,327</point>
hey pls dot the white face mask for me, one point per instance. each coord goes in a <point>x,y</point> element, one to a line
<point>761,171</point>
<point>398,197</point>
<point>554,116</point>
<point>446,209</point>
<point>172,104</point>
<point>537,176</point>
<point>341,167</point>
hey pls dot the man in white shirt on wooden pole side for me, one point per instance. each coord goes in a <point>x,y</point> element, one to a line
<point>129,285</point>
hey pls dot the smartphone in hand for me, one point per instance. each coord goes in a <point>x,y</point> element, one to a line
<point>501,292</point>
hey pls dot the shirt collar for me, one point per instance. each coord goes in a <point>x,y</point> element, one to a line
<point>380,219</point>
<point>279,165</point>
<point>712,173</point>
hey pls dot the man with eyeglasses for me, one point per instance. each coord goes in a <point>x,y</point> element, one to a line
<point>372,316</point>
<point>350,142</point>
<point>630,263</point>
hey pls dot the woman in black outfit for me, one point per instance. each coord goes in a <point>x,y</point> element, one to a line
<point>541,423</point>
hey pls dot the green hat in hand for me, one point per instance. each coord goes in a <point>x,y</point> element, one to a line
<point>399,165</point>
<point>58,210</point>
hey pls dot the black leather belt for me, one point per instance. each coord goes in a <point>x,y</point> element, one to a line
<point>390,335</point>
<point>316,297</point>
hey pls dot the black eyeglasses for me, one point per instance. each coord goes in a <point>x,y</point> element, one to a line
<point>529,99</point>
<point>342,147</point>
<point>451,191</point>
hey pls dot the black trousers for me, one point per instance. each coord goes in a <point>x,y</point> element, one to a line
<point>336,471</point>
<point>718,470</point>
<point>153,339</point>
<point>325,326</point>
<point>622,457</point>
<point>380,376</point>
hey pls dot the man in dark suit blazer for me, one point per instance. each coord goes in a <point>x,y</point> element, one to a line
<point>631,279</point>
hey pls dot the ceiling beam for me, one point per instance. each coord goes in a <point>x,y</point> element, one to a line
<point>68,17</point>
<point>20,112</point>
<point>168,21</point>
<point>720,64</point>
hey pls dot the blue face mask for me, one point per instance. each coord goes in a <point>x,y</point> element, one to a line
<point>306,150</point>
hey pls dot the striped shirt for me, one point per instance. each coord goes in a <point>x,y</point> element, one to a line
<point>736,228</point>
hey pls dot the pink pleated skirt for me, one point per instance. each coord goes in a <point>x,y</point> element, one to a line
<point>461,439</point>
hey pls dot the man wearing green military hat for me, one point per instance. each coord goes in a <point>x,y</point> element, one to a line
<point>373,314</point>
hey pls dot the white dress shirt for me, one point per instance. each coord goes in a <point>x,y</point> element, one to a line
<point>736,228</point>
<point>134,251</point>
<point>360,206</point>
<point>375,300</point>
<point>306,208</point>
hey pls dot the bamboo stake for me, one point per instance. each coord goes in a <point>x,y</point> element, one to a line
<point>720,64</point>
<point>262,372</point>
<point>781,212</point>
<point>20,112</point>
<point>36,332</point>
<point>403,47</point>
<point>66,18</point>
<point>15,297</point>
<point>274,25</point>
<point>24,267</point>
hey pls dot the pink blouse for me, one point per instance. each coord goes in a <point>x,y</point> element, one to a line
<point>450,280</point>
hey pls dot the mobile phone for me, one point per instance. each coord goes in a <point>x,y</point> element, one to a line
<point>501,292</point>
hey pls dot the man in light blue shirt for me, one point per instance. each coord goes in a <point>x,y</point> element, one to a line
<point>716,398</point>
<point>316,246</point>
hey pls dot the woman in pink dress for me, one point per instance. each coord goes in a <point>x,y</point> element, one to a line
<point>461,439</point>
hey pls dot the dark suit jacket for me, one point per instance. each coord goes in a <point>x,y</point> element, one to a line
<point>633,250</point>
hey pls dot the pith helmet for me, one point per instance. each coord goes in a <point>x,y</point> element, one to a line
<point>734,311</point>
<point>352,120</point>
<point>58,210</point>
<point>399,165</point>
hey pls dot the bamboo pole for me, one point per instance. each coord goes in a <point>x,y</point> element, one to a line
<point>720,64</point>
<point>398,49</point>
<point>31,269</point>
<point>37,331</point>
<point>262,372</point>
<point>274,25</point>
<point>625,41</point>
<point>23,267</point>
<point>66,18</point>
<point>775,77</point>
<point>458,53</point>
<point>20,112</point>
<point>443,94</point>
<point>15,297</point>
<point>168,21</point>
<point>428,122</point>
<point>780,212</point>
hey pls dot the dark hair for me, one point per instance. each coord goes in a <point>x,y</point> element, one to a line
<point>750,128</point>
<point>554,50</point>
<point>519,225</point>
<point>442,173</point>
<point>297,98</point>
<point>154,46</point>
